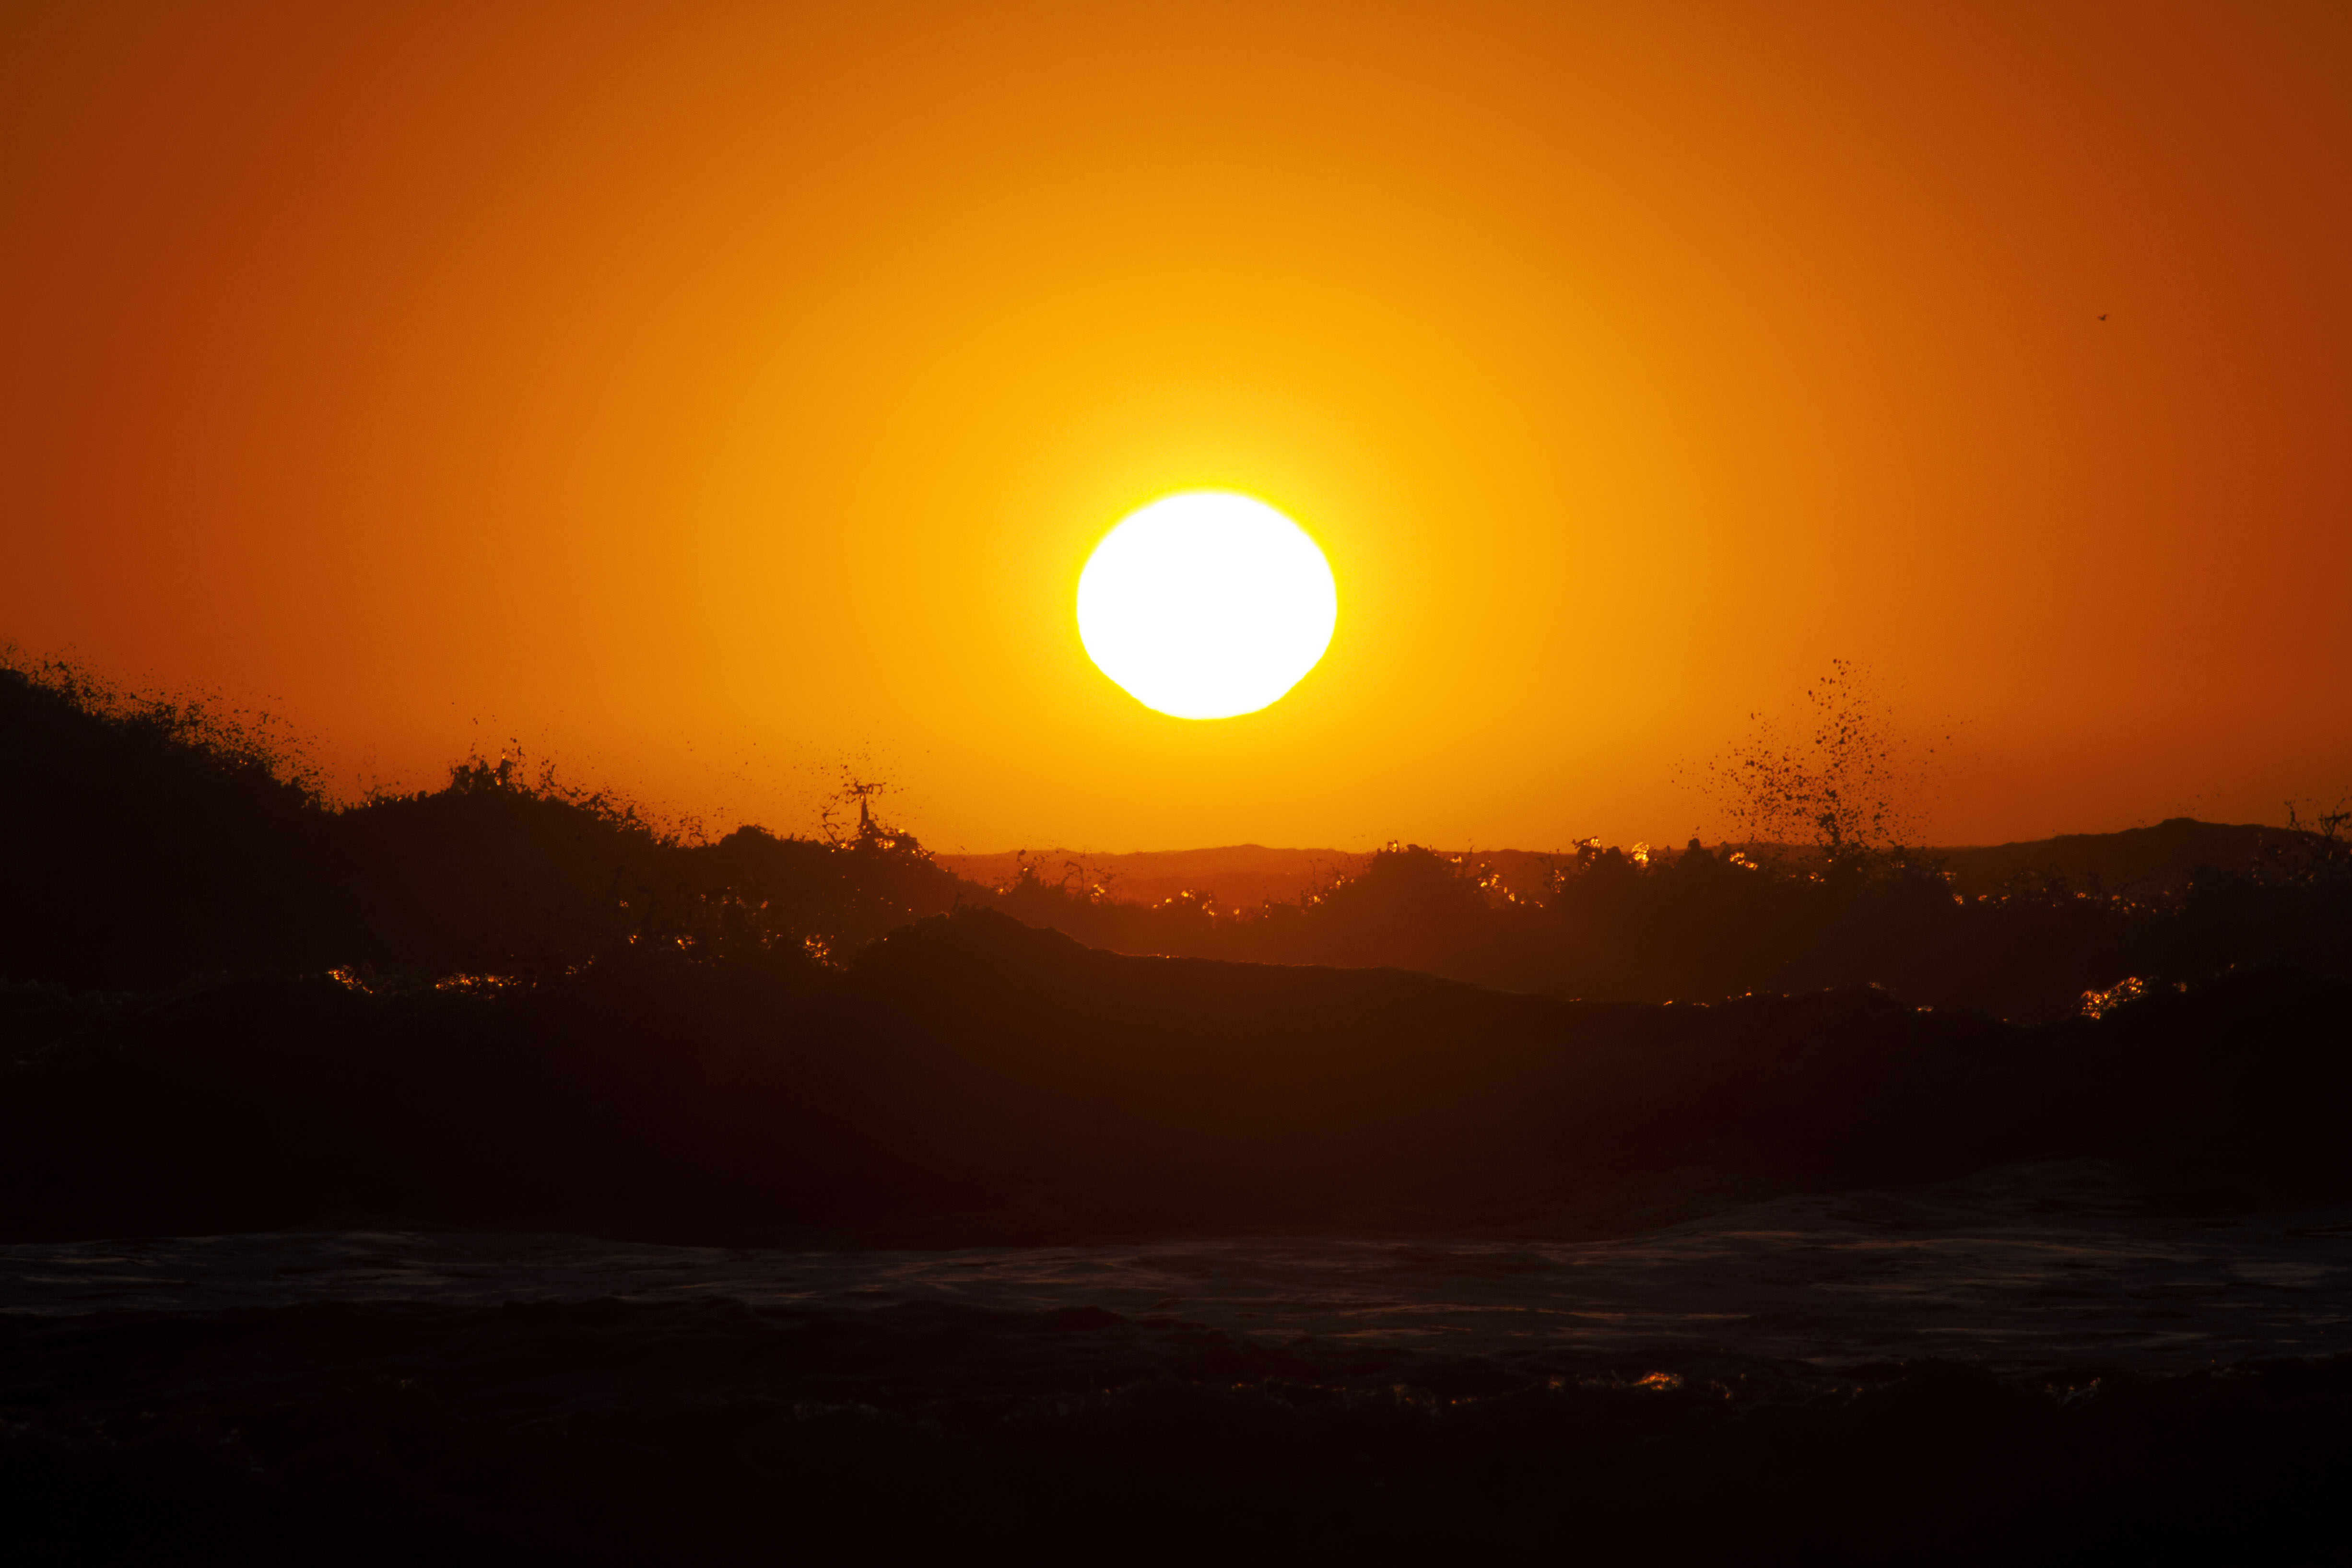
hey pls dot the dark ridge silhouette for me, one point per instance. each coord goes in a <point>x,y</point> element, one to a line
<point>151,841</point>
<point>143,839</point>
<point>971,1079</point>
<point>1706,924</point>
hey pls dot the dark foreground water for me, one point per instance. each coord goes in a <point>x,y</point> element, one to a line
<point>2035,1365</point>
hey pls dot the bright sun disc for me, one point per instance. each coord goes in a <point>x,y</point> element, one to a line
<point>1207,604</point>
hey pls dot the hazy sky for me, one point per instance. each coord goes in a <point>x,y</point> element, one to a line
<point>709,395</point>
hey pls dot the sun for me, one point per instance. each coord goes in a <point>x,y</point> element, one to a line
<point>1206,604</point>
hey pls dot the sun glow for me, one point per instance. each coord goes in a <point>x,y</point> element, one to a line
<point>1206,604</point>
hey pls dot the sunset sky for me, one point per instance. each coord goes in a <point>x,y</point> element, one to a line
<point>710,396</point>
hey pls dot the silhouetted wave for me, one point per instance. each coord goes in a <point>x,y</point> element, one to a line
<point>231,1006</point>
<point>152,842</point>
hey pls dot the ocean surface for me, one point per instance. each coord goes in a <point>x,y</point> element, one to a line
<point>2018,1268</point>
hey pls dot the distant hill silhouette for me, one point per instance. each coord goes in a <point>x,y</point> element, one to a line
<point>1237,875</point>
<point>2134,860</point>
<point>1244,875</point>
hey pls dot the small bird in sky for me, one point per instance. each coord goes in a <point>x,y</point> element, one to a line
<point>2103,315</point>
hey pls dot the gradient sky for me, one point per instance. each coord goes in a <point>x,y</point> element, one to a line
<point>707,396</point>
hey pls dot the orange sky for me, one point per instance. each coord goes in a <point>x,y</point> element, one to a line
<point>707,395</point>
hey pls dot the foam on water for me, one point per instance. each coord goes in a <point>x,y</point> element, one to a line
<point>2022,1266</point>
